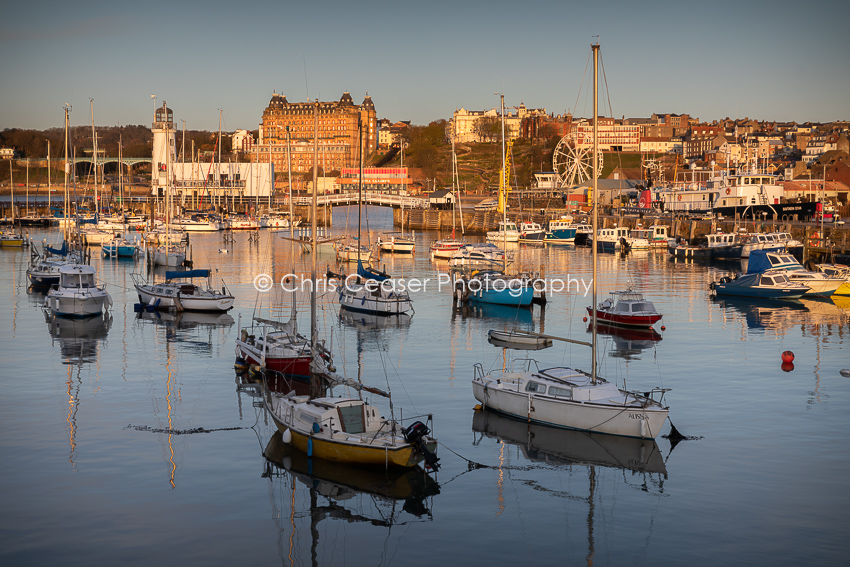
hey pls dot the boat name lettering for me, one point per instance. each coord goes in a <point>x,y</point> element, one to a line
<point>637,416</point>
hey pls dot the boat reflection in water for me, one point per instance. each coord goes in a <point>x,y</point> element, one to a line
<point>370,321</point>
<point>522,316</point>
<point>761,314</point>
<point>628,344</point>
<point>347,494</point>
<point>552,446</point>
<point>78,338</point>
<point>193,330</point>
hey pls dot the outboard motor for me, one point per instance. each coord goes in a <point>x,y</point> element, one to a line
<point>415,434</point>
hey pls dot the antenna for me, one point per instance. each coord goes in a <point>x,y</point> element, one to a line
<point>306,87</point>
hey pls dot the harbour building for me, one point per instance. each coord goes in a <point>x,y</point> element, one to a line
<point>287,129</point>
<point>195,184</point>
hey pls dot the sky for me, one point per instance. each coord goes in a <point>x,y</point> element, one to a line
<point>420,61</point>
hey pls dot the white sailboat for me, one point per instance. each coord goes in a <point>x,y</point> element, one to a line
<point>344,429</point>
<point>445,248</point>
<point>570,398</point>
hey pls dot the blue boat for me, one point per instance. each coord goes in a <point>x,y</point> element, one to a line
<point>770,284</point>
<point>561,231</point>
<point>498,289</point>
<point>119,248</point>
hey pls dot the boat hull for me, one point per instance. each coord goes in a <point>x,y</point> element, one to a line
<point>619,320</point>
<point>183,302</point>
<point>643,423</point>
<point>296,368</point>
<point>77,304</point>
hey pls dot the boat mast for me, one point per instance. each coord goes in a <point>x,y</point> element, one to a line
<point>314,385</point>
<point>360,182</point>
<point>67,230</point>
<point>502,182</point>
<point>48,177</point>
<point>595,48</point>
<point>94,163</point>
<point>289,174</point>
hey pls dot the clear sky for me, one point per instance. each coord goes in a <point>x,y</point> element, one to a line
<point>769,60</point>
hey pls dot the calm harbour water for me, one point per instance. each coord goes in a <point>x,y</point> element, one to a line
<point>104,463</point>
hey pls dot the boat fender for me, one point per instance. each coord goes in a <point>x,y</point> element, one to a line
<point>286,437</point>
<point>316,427</point>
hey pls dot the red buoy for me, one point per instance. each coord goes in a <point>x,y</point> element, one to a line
<point>787,366</point>
<point>663,328</point>
<point>787,356</point>
<point>584,319</point>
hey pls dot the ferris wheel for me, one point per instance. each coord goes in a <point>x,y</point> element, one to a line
<point>573,164</point>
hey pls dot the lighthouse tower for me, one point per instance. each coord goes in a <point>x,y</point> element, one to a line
<point>163,155</point>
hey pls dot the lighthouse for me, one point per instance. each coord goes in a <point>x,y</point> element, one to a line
<point>163,154</point>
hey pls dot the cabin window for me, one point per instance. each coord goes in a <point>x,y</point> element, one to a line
<point>766,280</point>
<point>624,307</point>
<point>351,418</point>
<point>562,392</point>
<point>535,388</point>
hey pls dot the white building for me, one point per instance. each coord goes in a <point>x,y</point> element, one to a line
<point>217,183</point>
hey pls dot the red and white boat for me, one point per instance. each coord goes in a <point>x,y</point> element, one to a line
<point>626,309</point>
<point>446,248</point>
<point>277,347</point>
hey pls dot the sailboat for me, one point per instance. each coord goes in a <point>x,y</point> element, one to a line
<point>492,285</point>
<point>570,398</point>
<point>356,251</point>
<point>445,248</point>
<point>183,296</point>
<point>11,238</point>
<point>344,429</point>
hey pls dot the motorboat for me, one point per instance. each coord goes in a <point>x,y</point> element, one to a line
<point>483,255</point>
<point>611,239</point>
<point>77,293</point>
<point>396,242</point>
<point>531,233</point>
<point>183,296</point>
<point>818,283</point>
<point>626,308</point>
<point>242,222</point>
<point>770,284</point>
<point>489,286</point>
<point>837,271</point>
<point>277,347</point>
<point>507,232</point>
<point>11,239</point>
<point>445,248</point>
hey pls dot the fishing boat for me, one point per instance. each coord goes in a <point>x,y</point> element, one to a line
<point>344,429</point>
<point>570,398</point>
<point>612,239</point>
<point>531,233</point>
<point>561,231</point>
<point>77,294</point>
<point>626,308</point>
<point>507,232</point>
<point>183,296</point>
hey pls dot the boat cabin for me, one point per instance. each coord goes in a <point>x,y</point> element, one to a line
<point>77,276</point>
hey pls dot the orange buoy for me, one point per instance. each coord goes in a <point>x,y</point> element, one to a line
<point>787,356</point>
<point>787,366</point>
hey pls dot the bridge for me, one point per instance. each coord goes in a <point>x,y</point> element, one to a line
<point>369,198</point>
<point>100,160</point>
